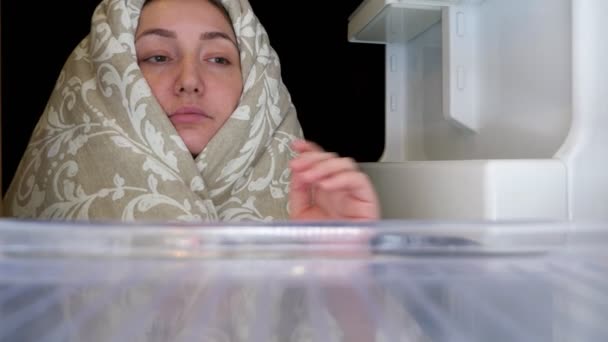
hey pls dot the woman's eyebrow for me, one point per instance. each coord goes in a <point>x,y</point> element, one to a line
<point>217,35</point>
<point>170,34</point>
<point>157,31</point>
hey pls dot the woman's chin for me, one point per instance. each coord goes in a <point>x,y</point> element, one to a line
<point>195,141</point>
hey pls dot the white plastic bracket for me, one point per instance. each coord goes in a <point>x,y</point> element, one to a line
<point>396,101</point>
<point>460,86</point>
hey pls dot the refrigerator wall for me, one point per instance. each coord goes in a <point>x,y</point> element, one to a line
<point>1,211</point>
<point>485,107</point>
<point>585,148</point>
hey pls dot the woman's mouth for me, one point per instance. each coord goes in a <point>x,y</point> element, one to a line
<point>188,114</point>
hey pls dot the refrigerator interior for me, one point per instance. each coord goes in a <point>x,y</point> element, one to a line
<point>511,65</point>
<point>388,281</point>
<point>486,100</point>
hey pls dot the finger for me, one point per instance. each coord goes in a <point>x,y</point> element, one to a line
<point>355,183</point>
<point>327,168</point>
<point>360,211</point>
<point>308,159</point>
<point>300,196</point>
<point>302,146</point>
<point>360,201</point>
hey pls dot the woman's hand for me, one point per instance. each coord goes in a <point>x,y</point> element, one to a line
<point>327,187</point>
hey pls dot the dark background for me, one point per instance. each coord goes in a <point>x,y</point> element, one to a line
<point>336,86</point>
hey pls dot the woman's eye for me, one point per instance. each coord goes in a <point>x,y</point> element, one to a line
<point>219,60</point>
<point>157,59</point>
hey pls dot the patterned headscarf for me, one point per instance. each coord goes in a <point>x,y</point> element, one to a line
<point>105,149</point>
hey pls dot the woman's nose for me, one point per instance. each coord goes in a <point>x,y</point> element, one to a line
<point>190,79</point>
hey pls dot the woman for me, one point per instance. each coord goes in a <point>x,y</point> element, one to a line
<point>175,110</point>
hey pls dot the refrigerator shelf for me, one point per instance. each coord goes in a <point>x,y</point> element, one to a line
<point>374,20</point>
<point>388,281</point>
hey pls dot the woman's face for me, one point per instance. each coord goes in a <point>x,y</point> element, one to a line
<point>187,52</point>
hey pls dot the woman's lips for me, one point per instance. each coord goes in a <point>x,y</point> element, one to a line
<point>188,115</point>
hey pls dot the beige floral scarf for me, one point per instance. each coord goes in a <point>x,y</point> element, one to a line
<point>104,148</point>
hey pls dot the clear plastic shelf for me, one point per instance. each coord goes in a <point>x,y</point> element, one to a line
<point>384,281</point>
<point>381,21</point>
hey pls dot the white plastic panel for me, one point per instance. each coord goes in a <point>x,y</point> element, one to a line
<point>396,100</point>
<point>459,62</point>
<point>585,149</point>
<point>471,189</point>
